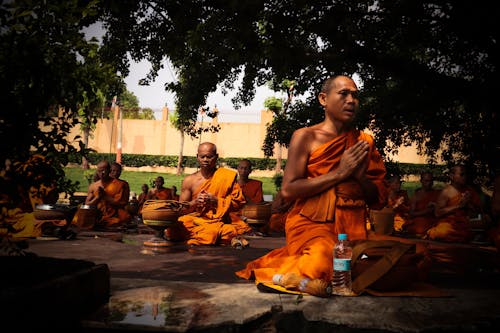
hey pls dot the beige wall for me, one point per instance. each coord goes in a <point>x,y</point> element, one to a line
<point>159,137</point>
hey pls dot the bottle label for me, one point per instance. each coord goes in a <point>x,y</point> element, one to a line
<point>341,264</point>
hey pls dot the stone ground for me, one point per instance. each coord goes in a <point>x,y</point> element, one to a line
<point>194,289</point>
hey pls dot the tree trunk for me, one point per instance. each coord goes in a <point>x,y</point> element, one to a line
<point>278,159</point>
<point>179,159</point>
<point>86,133</point>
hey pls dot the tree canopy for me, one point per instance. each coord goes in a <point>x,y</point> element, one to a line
<point>427,67</point>
<point>47,69</point>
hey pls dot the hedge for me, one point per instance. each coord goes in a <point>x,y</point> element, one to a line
<point>138,160</point>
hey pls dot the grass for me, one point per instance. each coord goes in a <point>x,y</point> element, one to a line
<point>137,178</point>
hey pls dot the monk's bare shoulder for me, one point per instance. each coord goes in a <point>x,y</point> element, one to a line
<point>309,138</point>
<point>94,186</point>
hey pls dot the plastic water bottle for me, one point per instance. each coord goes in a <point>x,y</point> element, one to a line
<point>342,255</point>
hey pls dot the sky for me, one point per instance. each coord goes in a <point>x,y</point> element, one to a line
<point>155,97</point>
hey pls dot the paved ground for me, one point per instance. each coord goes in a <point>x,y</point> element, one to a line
<point>195,289</point>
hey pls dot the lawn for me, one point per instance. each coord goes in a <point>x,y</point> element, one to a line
<point>137,178</point>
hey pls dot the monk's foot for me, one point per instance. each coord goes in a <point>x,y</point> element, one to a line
<point>316,287</point>
<point>289,280</point>
<point>239,242</point>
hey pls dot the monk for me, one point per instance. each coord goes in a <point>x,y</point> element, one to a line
<point>111,198</point>
<point>252,191</point>
<point>456,203</point>
<point>252,188</point>
<point>212,194</point>
<point>143,196</point>
<point>399,201</point>
<point>422,206</point>
<point>279,212</point>
<point>160,192</point>
<point>336,172</point>
<point>116,172</point>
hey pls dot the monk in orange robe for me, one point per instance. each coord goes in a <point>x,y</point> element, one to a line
<point>160,192</point>
<point>212,194</point>
<point>399,201</point>
<point>110,195</point>
<point>252,188</point>
<point>337,171</point>
<point>422,206</point>
<point>455,205</point>
<point>279,212</point>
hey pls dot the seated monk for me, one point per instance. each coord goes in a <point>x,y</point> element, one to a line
<point>143,196</point>
<point>422,206</point>
<point>212,194</point>
<point>23,186</point>
<point>336,172</point>
<point>251,188</point>
<point>279,212</point>
<point>110,196</point>
<point>175,196</point>
<point>160,192</point>
<point>398,201</point>
<point>456,203</point>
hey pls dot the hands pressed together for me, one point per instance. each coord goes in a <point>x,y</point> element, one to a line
<point>354,161</point>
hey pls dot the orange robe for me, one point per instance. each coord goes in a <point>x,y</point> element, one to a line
<point>400,212</point>
<point>313,223</point>
<point>252,191</point>
<point>418,225</point>
<point>215,226</point>
<point>114,215</point>
<point>162,194</point>
<point>455,227</point>
<point>279,213</point>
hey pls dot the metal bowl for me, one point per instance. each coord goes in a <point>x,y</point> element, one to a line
<point>88,207</point>
<point>45,207</point>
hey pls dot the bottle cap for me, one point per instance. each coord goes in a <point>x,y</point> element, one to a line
<point>342,236</point>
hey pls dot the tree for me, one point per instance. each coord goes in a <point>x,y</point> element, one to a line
<point>426,76</point>
<point>43,59</point>
<point>279,109</point>
<point>174,120</point>
<point>97,80</point>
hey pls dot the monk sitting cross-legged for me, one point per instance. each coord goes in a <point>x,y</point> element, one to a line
<point>110,195</point>
<point>160,192</point>
<point>455,205</point>
<point>422,206</point>
<point>336,172</point>
<point>212,194</point>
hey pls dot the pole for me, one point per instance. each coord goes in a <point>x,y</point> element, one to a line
<point>119,141</point>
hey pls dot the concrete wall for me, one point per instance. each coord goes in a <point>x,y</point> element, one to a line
<point>159,137</point>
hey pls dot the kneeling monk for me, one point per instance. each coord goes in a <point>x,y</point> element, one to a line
<point>336,172</point>
<point>212,194</point>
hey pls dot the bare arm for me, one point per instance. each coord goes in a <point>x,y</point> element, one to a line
<point>442,207</point>
<point>187,193</point>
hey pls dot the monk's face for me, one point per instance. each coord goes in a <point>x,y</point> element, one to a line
<point>159,181</point>
<point>341,101</point>
<point>103,170</point>
<point>427,181</point>
<point>458,176</point>
<point>115,171</point>
<point>244,169</point>
<point>207,156</point>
